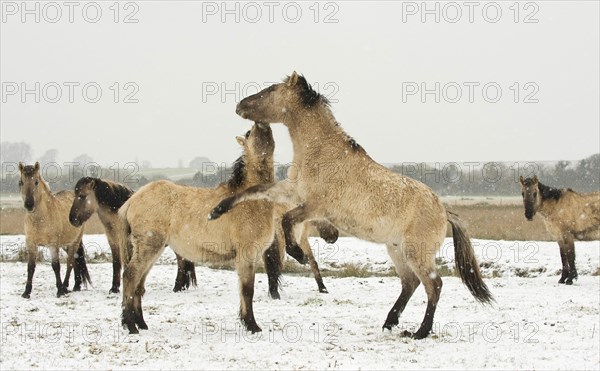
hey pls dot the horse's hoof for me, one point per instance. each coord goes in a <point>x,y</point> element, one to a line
<point>61,292</point>
<point>216,213</point>
<point>76,288</point>
<point>414,335</point>
<point>254,329</point>
<point>25,295</point>
<point>130,327</point>
<point>275,295</point>
<point>177,289</point>
<point>113,290</point>
<point>561,280</point>
<point>143,326</point>
<point>323,290</point>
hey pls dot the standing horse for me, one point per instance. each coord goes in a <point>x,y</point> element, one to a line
<point>166,213</point>
<point>338,182</point>
<point>568,216</point>
<point>93,195</point>
<point>47,224</point>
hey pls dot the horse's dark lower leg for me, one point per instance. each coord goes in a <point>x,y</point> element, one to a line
<point>61,289</point>
<point>314,267</point>
<point>288,221</point>
<point>30,271</point>
<point>116,265</point>
<point>130,282</point>
<point>137,304</point>
<point>410,282</point>
<point>433,287</point>
<point>565,261</point>
<point>68,272</point>
<point>572,269</point>
<point>246,273</point>
<point>272,260</point>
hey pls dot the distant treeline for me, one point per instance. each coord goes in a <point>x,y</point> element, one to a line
<point>446,179</point>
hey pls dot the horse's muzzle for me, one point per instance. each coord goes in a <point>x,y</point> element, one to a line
<point>30,207</point>
<point>75,222</point>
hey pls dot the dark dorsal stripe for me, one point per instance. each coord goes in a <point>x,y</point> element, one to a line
<point>549,192</point>
<point>308,96</point>
<point>238,176</point>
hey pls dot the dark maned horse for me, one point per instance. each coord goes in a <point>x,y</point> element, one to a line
<point>365,199</point>
<point>568,216</point>
<point>46,224</point>
<point>93,195</point>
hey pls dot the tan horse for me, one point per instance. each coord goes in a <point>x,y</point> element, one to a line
<point>47,224</point>
<point>93,195</point>
<point>338,182</point>
<point>568,216</point>
<point>163,213</point>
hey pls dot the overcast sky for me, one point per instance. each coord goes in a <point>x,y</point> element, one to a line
<point>364,56</point>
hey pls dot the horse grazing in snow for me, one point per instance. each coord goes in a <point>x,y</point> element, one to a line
<point>338,182</point>
<point>568,216</point>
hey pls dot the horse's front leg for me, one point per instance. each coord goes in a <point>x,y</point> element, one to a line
<point>70,263</point>
<point>564,257</point>
<point>116,264</point>
<point>61,289</point>
<point>289,221</point>
<point>246,270</point>
<point>571,260</point>
<point>31,257</point>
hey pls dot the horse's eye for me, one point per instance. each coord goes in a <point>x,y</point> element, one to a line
<point>534,194</point>
<point>36,182</point>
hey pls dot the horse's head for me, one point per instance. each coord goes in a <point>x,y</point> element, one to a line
<point>29,185</point>
<point>532,196</point>
<point>258,142</point>
<point>279,102</point>
<point>85,203</point>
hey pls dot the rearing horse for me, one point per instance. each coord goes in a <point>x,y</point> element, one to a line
<point>47,224</point>
<point>568,216</point>
<point>338,182</point>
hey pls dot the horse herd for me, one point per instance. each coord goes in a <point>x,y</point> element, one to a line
<point>252,217</point>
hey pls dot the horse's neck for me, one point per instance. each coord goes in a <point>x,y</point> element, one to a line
<point>547,207</point>
<point>46,202</point>
<point>317,129</point>
<point>259,171</point>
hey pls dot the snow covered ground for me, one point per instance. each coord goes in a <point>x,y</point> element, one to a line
<point>535,324</point>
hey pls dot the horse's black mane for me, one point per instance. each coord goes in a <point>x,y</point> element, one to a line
<point>111,194</point>
<point>238,176</point>
<point>308,96</point>
<point>547,192</point>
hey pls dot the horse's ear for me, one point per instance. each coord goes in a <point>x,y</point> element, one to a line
<point>535,179</point>
<point>21,166</point>
<point>293,80</point>
<point>93,184</point>
<point>521,180</point>
<point>241,141</point>
<point>37,166</point>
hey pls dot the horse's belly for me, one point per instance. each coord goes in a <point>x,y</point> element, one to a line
<point>203,250</point>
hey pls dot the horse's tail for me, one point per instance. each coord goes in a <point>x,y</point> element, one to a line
<point>83,271</point>
<point>123,232</point>
<point>466,264</point>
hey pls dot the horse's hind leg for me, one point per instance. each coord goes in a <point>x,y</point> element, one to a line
<point>137,303</point>
<point>70,263</point>
<point>409,281</point>
<point>145,252</point>
<point>421,258</point>
<point>31,256</point>
<point>288,223</point>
